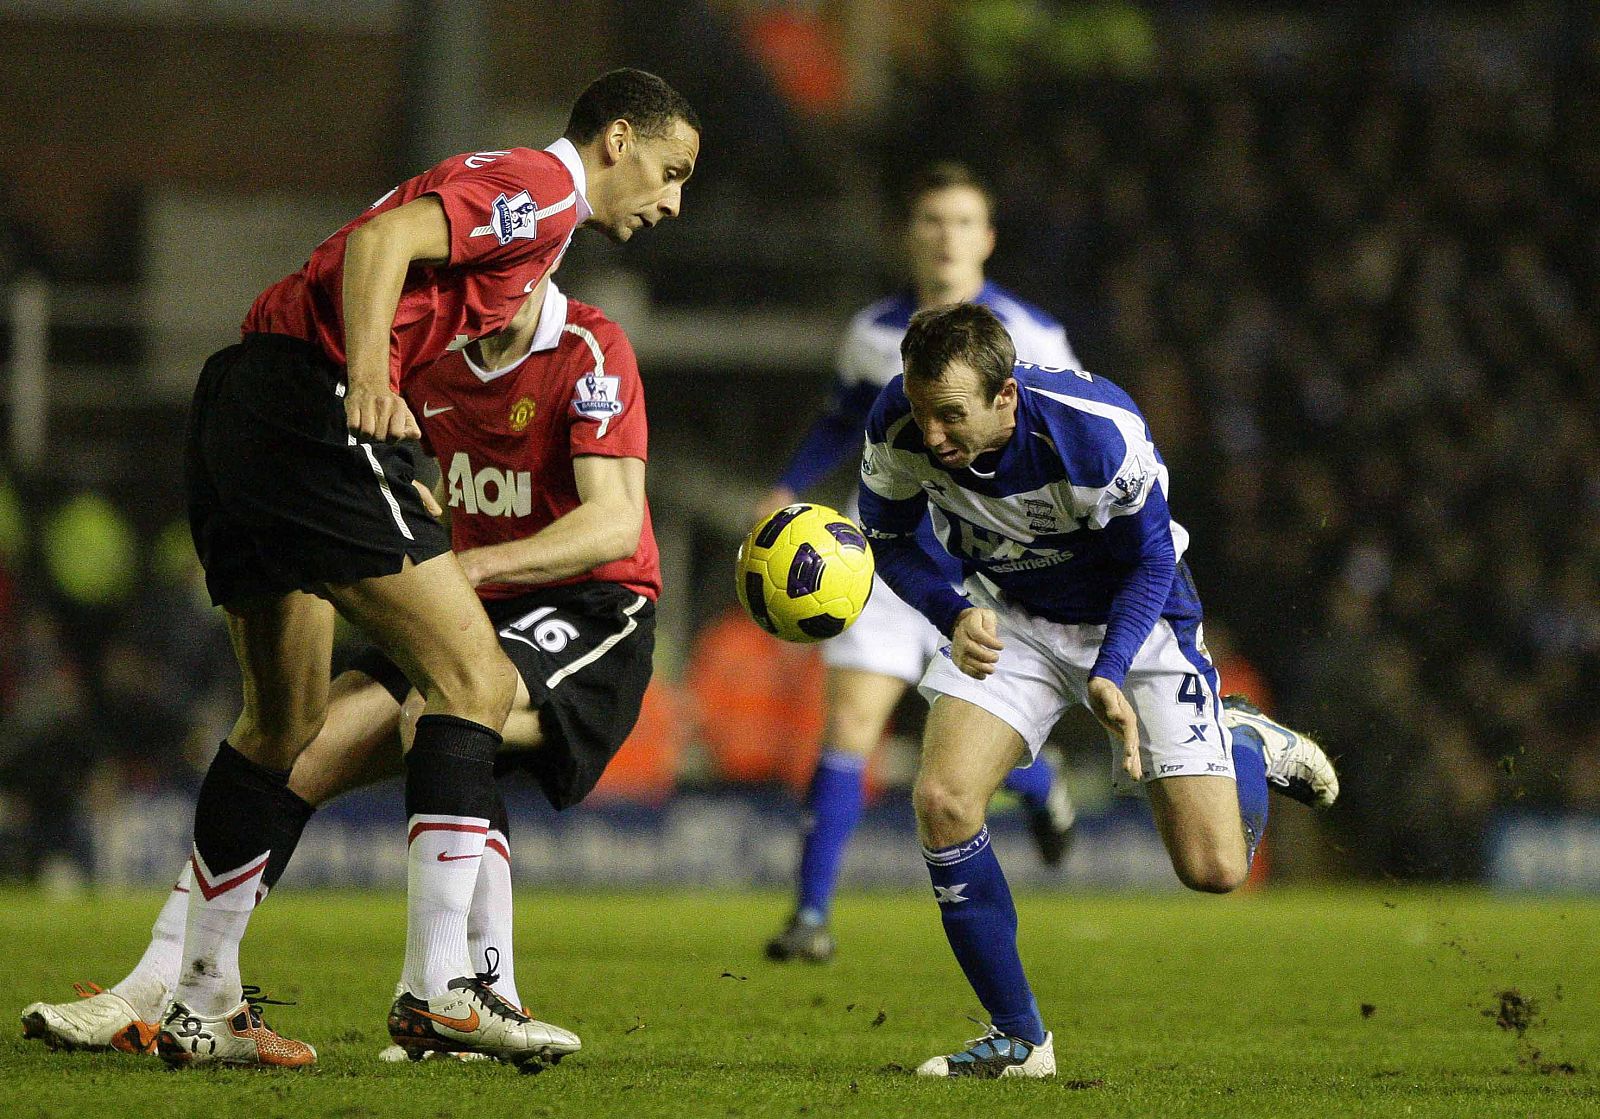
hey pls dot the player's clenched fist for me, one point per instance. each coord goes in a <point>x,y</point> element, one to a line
<point>379,414</point>
<point>975,642</point>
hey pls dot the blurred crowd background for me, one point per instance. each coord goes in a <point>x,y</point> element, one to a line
<point>1346,257</point>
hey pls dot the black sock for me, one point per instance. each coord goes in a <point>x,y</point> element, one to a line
<point>244,810</point>
<point>286,836</point>
<point>498,819</point>
<point>450,769</point>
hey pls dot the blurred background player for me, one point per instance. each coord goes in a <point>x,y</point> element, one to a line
<point>947,236</point>
<point>569,572</point>
<point>1047,486</point>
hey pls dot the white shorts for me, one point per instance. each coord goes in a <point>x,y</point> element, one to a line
<point>1044,668</point>
<point>890,639</point>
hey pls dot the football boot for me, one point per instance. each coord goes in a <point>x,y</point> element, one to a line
<point>100,1019</point>
<point>802,940</point>
<point>1051,824</point>
<point>995,1055</point>
<point>239,1037</point>
<point>1296,766</point>
<point>470,1017</point>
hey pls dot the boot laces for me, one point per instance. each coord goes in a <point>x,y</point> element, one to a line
<point>256,1000</point>
<point>490,975</point>
<point>494,1003</point>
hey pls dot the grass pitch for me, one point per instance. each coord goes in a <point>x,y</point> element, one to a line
<point>1381,1002</point>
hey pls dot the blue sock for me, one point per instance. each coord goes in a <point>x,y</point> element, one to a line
<point>1250,773</point>
<point>980,922</point>
<point>1033,783</point>
<point>834,808</point>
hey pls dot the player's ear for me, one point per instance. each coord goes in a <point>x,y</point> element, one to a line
<point>619,141</point>
<point>1007,393</point>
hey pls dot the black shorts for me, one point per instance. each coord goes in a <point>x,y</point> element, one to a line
<point>281,498</point>
<point>584,652</point>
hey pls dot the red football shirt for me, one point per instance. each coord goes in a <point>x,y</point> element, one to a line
<point>505,439</point>
<point>511,215</point>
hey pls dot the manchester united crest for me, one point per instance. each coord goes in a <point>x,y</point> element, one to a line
<point>522,413</point>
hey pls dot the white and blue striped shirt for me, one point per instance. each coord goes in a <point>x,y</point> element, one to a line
<point>1068,520</point>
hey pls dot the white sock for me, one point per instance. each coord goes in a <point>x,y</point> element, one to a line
<point>442,864</point>
<point>149,986</point>
<point>489,921</point>
<point>219,912</point>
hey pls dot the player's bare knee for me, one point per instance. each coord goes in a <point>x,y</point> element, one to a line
<point>481,690</point>
<point>946,814</point>
<point>1212,872</point>
<point>847,732</point>
<point>277,741</point>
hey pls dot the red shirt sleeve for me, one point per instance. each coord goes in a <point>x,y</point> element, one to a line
<point>607,415</point>
<point>505,207</point>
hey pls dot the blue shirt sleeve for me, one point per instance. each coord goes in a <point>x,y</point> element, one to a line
<point>908,568</point>
<point>1144,542</point>
<point>893,509</point>
<point>832,439</point>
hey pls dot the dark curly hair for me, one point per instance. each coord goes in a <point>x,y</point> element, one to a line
<point>645,101</point>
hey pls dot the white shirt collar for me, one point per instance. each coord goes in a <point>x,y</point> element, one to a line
<point>552,320</point>
<point>546,336</point>
<point>564,150</point>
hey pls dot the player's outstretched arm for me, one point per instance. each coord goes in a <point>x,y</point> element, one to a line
<point>1143,542</point>
<point>1116,714</point>
<point>377,257</point>
<point>833,439</point>
<point>604,527</point>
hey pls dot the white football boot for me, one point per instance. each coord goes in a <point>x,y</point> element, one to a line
<point>393,1054</point>
<point>239,1037</point>
<point>995,1055</point>
<point>471,1017</point>
<point>1296,766</point>
<point>98,1020</point>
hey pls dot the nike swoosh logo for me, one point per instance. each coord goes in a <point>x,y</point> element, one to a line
<point>465,1025</point>
<point>443,858</point>
<point>527,288</point>
<point>429,411</point>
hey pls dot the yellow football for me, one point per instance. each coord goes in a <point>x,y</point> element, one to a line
<point>805,573</point>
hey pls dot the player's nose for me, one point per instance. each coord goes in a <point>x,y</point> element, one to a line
<point>672,203</point>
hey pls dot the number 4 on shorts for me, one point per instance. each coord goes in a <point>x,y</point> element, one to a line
<point>1191,691</point>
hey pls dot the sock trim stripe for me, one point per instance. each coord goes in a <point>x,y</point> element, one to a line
<point>446,818</point>
<point>209,890</point>
<point>498,848</point>
<point>418,828</point>
<point>950,856</point>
